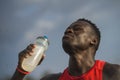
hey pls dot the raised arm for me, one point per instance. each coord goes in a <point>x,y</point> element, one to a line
<point>20,73</point>
<point>18,76</point>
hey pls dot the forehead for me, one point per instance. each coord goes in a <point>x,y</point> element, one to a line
<point>80,24</point>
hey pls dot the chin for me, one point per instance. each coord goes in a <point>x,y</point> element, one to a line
<point>67,47</point>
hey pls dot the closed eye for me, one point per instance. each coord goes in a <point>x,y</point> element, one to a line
<point>78,28</point>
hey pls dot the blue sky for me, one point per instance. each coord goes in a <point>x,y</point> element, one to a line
<point>21,21</point>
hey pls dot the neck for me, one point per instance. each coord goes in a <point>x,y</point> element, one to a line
<point>80,63</point>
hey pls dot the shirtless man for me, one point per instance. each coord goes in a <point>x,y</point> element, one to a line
<point>80,41</point>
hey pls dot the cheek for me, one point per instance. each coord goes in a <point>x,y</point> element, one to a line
<point>84,39</point>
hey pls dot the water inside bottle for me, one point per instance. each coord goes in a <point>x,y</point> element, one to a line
<point>32,61</point>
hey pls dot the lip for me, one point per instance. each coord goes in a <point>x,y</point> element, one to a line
<point>68,36</point>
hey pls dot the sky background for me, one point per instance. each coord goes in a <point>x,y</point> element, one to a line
<point>21,21</point>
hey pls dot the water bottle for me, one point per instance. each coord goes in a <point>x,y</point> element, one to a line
<point>41,45</point>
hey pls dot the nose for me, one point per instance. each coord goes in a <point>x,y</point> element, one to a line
<point>69,30</point>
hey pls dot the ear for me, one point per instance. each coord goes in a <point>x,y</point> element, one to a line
<point>94,41</point>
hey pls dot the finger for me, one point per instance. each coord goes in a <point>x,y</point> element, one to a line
<point>21,57</point>
<point>24,54</point>
<point>30,47</point>
<point>27,55</point>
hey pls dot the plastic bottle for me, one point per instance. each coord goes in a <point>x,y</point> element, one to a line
<point>41,45</point>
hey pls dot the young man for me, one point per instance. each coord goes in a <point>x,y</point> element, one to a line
<point>80,41</point>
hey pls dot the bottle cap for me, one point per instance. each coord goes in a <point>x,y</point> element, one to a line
<point>45,37</point>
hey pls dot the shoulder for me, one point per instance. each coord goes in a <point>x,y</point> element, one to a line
<point>111,71</point>
<point>51,76</point>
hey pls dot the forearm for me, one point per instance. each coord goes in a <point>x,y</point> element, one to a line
<point>18,76</point>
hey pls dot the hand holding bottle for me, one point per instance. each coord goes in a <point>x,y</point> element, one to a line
<point>33,55</point>
<point>27,53</point>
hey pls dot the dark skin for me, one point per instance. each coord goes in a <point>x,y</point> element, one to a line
<point>79,42</point>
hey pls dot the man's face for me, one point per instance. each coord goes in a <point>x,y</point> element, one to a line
<point>77,36</point>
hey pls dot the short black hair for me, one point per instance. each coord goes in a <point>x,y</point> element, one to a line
<point>95,28</point>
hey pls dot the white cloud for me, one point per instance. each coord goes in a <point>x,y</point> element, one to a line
<point>40,27</point>
<point>44,24</point>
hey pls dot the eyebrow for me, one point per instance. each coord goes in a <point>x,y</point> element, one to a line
<point>77,26</point>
